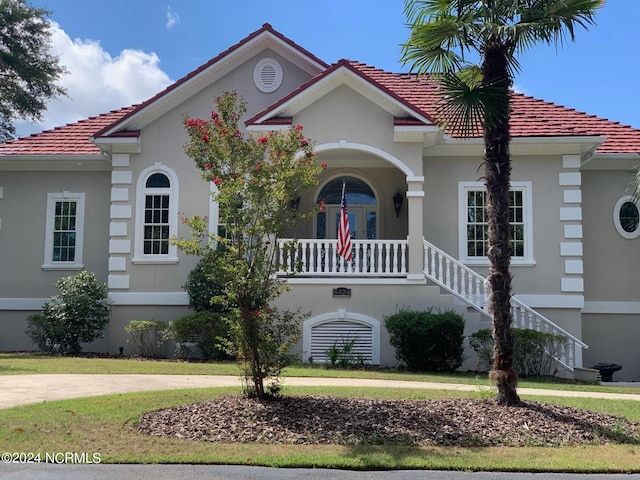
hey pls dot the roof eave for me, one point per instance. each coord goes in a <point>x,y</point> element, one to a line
<point>289,50</point>
<point>307,93</point>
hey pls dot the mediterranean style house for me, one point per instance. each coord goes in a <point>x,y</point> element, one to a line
<point>104,194</point>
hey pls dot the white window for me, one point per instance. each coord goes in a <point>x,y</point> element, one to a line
<point>626,217</point>
<point>473,223</point>
<point>64,231</point>
<point>156,215</point>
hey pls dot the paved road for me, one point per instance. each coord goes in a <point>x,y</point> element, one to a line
<point>227,472</point>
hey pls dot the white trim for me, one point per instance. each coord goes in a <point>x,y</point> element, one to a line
<point>352,281</point>
<point>154,261</point>
<point>121,177</point>
<point>570,214</point>
<point>118,229</point>
<point>527,188</point>
<point>120,160</point>
<point>570,249</point>
<point>572,196</point>
<point>118,281</point>
<point>119,246</point>
<point>258,75</point>
<point>1,193</point>
<point>573,231</point>
<point>120,211</point>
<point>571,284</point>
<point>616,217</point>
<point>117,264</point>
<point>620,308</point>
<point>341,314</point>
<point>571,161</point>
<point>22,303</point>
<point>569,179</point>
<point>141,191</point>
<point>214,210</point>
<point>573,267</point>
<point>148,298</point>
<point>119,194</point>
<point>77,263</point>
<point>343,76</point>
<point>346,145</point>
<point>552,301</point>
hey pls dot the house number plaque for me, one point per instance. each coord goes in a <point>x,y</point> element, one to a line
<point>342,292</point>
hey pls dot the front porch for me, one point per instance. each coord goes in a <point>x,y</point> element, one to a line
<point>371,258</point>
<point>395,260</point>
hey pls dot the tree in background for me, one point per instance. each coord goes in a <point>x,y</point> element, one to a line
<point>446,37</point>
<point>256,182</point>
<point>28,71</point>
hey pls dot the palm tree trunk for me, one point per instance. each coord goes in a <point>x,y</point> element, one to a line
<point>497,181</point>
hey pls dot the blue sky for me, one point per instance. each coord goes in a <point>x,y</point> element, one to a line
<point>123,51</point>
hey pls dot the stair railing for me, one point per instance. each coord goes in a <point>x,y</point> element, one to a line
<point>472,288</point>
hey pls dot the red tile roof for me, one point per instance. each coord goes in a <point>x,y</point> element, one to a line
<point>71,139</point>
<point>530,117</point>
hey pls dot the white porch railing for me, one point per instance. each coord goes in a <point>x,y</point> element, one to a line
<point>469,286</point>
<point>319,257</point>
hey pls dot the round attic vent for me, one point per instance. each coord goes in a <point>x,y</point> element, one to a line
<point>267,75</point>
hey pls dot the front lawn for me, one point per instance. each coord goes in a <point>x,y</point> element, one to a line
<point>103,425</point>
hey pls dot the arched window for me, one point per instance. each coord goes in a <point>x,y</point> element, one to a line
<point>156,215</point>
<point>626,217</point>
<point>362,206</point>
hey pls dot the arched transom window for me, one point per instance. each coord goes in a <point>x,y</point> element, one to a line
<point>362,206</point>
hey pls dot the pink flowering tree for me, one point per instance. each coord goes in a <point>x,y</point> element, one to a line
<point>256,182</point>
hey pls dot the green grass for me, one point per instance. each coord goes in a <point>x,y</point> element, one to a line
<point>33,363</point>
<point>103,425</point>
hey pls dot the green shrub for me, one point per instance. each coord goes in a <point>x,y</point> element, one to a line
<point>79,313</point>
<point>426,340</point>
<point>201,334</point>
<point>149,337</point>
<point>341,354</point>
<point>534,351</point>
<point>204,287</point>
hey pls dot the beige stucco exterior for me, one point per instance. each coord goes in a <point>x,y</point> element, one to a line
<point>579,271</point>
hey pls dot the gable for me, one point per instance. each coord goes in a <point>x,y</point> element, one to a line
<point>265,39</point>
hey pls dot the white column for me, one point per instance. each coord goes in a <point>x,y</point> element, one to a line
<point>415,206</point>
<point>121,214</point>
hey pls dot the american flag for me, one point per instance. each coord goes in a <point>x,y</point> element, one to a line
<point>344,233</point>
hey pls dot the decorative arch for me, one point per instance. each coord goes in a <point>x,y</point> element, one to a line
<point>346,145</point>
<point>156,215</point>
<point>323,331</point>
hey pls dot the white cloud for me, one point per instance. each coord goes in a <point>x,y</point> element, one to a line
<point>172,18</point>
<point>96,82</point>
<point>520,89</point>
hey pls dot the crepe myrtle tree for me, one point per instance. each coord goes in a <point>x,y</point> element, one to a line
<point>446,39</point>
<point>256,180</point>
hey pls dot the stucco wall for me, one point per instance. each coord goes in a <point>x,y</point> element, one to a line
<point>23,210</point>
<point>611,262</point>
<point>613,338</point>
<point>441,214</point>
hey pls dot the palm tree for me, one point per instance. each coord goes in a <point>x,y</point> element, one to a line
<point>472,46</point>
